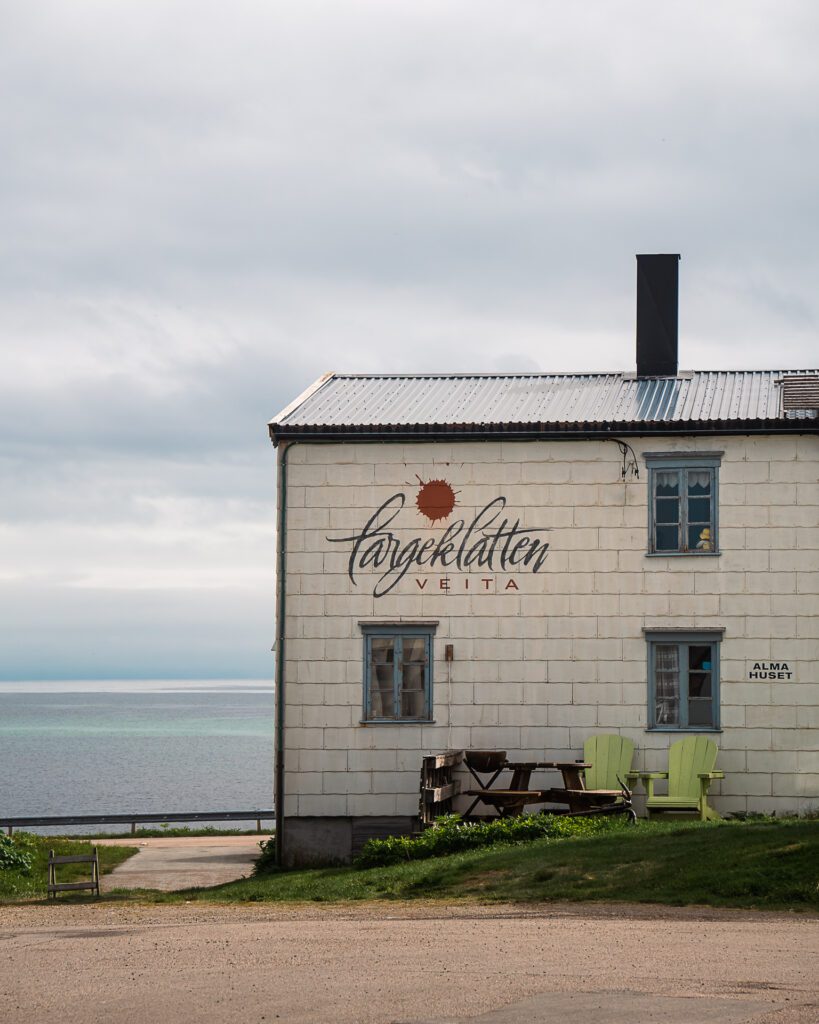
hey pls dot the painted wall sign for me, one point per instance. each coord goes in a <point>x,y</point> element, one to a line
<point>769,670</point>
<point>490,542</point>
<point>435,499</point>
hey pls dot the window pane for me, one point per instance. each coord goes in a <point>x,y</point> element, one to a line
<point>700,538</point>
<point>668,510</point>
<point>667,483</point>
<point>699,657</point>
<point>412,705</point>
<point>700,704</point>
<point>415,648</point>
<point>412,677</point>
<point>666,684</point>
<point>382,679</point>
<point>699,685</point>
<point>383,650</point>
<point>382,700</point>
<point>668,538</point>
<point>699,510</point>
<point>412,691</point>
<point>699,482</point>
<point>700,713</point>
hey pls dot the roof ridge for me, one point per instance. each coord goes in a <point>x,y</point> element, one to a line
<point>627,374</point>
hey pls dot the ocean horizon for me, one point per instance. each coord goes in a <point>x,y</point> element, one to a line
<point>128,685</point>
<point>72,747</point>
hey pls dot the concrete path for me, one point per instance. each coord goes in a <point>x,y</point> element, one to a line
<point>170,863</point>
<point>390,963</point>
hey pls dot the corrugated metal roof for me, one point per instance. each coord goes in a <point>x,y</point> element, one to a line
<point>340,404</point>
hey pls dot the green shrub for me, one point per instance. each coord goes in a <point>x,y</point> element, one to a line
<point>266,862</point>
<point>451,835</point>
<point>15,853</point>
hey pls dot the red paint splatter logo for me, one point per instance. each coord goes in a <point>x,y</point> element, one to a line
<point>436,499</point>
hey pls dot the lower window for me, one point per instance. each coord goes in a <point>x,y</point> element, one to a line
<point>683,680</point>
<point>398,673</point>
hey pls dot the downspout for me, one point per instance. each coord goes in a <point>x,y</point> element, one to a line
<point>281,618</point>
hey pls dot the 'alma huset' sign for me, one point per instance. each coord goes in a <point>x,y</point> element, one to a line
<point>769,670</point>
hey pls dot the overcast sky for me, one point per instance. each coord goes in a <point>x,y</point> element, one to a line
<point>203,207</point>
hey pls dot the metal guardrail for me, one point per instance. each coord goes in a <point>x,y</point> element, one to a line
<point>11,823</point>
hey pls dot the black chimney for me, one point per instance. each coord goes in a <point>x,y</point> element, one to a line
<point>657,290</point>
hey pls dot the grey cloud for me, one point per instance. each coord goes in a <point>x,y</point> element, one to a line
<point>81,488</point>
<point>365,146</point>
<point>204,209</point>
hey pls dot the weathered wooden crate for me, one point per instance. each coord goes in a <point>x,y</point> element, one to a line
<point>437,785</point>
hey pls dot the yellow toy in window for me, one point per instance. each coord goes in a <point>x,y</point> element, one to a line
<point>705,540</point>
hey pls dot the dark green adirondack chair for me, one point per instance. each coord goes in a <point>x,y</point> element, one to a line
<point>690,773</point>
<point>609,756</point>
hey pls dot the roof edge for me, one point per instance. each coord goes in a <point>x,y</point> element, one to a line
<point>308,392</point>
<point>545,431</point>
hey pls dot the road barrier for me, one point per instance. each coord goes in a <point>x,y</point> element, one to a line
<point>48,821</point>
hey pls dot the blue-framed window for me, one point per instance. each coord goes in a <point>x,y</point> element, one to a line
<point>398,673</point>
<point>683,680</point>
<point>683,514</point>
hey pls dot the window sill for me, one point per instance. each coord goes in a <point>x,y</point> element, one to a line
<point>683,554</point>
<point>397,721</point>
<point>674,728</point>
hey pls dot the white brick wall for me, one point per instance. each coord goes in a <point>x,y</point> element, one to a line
<point>540,668</point>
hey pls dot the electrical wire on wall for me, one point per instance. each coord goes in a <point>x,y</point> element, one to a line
<point>631,467</point>
<point>449,704</point>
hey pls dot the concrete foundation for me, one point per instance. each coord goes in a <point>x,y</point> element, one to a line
<point>316,841</point>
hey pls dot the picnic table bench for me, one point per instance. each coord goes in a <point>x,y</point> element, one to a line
<point>510,802</point>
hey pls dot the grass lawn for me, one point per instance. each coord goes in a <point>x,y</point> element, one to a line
<point>770,865</point>
<point>17,884</point>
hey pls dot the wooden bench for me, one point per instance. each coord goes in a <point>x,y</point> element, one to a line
<point>84,858</point>
<point>580,800</point>
<point>507,802</point>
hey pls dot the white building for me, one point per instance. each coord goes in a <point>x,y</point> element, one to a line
<point>632,553</point>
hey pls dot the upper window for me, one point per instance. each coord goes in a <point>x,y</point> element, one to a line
<point>682,510</point>
<point>683,680</point>
<point>398,673</point>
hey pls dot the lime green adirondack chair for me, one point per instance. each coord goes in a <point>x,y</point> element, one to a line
<point>690,773</point>
<point>609,756</point>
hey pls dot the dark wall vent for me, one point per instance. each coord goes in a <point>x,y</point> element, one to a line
<point>657,307</point>
<point>800,392</point>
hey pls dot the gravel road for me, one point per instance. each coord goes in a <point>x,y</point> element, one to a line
<point>368,963</point>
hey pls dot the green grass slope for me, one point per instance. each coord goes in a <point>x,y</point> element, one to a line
<point>769,865</point>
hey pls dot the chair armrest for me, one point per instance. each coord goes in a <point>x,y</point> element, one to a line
<point>647,780</point>
<point>711,775</point>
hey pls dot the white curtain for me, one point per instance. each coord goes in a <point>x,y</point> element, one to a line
<point>666,477</point>
<point>667,684</point>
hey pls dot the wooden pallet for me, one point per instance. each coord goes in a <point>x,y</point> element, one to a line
<point>437,785</point>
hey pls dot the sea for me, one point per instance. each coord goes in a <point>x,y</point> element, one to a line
<point>70,748</point>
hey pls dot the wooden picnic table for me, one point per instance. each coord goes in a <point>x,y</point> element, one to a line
<point>572,771</point>
<point>510,802</point>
